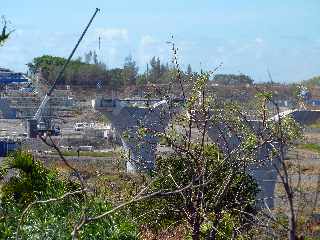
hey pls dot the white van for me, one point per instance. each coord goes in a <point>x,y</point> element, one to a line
<point>85,148</point>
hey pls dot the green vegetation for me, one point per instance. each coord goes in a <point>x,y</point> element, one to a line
<point>89,71</point>
<point>315,125</point>
<point>33,179</point>
<point>176,209</point>
<point>198,185</point>
<point>77,73</point>
<point>4,32</point>
<point>231,79</point>
<point>310,146</point>
<point>314,81</point>
<point>53,220</point>
<point>86,154</point>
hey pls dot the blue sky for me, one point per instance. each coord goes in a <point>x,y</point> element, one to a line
<point>246,36</point>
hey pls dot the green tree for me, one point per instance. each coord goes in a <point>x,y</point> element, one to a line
<point>232,79</point>
<point>314,81</point>
<point>130,71</point>
<point>95,58</point>
<point>142,79</point>
<point>178,171</point>
<point>155,71</point>
<point>115,78</point>
<point>199,184</point>
<point>189,70</point>
<point>77,73</point>
<point>88,57</point>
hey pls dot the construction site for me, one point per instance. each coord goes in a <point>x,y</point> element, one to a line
<point>152,146</point>
<point>73,122</point>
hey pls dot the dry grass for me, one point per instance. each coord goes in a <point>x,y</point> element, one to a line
<point>178,233</point>
<point>303,164</point>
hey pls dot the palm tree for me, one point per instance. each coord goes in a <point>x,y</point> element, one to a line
<point>4,34</point>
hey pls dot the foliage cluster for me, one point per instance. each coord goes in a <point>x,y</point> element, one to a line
<point>89,71</point>
<point>175,171</point>
<point>314,81</point>
<point>4,32</point>
<point>231,79</point>
<point>200,185</point>
<point>54,220</point>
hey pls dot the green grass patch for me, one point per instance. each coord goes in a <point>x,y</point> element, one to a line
<point>310,146</point>
<point>315,125</point>
<point>86,154</point>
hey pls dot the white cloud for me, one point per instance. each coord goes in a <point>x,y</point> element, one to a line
<point>147,40</point>
<point>24,45</point>
<point>154,47</point>
<point>113,34</point>
<point>259,40</point>
<point>148,48</point>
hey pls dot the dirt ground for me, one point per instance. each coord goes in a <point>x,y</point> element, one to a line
<point>303,164</point>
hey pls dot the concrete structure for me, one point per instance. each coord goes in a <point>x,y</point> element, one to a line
<point>6,111</point>
<point>128,119</point>
<point>26,105</point>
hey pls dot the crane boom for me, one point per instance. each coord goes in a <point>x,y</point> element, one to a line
<point>47,96</point>
<point>32,123</point>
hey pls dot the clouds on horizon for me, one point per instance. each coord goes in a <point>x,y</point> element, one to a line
<point>251,55</point>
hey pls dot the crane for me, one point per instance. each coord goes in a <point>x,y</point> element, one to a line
<point>32,124</point>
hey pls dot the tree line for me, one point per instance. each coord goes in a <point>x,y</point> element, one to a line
<point>90,71</point>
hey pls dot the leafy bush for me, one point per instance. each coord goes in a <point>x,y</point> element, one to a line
<point>32,180</point>
<point>174,172</point>
<point>54,220</point>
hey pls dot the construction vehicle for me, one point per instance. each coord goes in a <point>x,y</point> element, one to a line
<point>38,125</point>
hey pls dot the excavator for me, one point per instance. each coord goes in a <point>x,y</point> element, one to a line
<point>38,125</point>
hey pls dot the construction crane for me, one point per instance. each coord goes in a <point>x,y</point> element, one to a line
<point>33,127</point>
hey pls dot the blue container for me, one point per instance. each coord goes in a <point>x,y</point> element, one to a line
<point>7,146</point>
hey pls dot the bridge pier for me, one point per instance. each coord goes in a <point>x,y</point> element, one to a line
<point>127,121</point>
